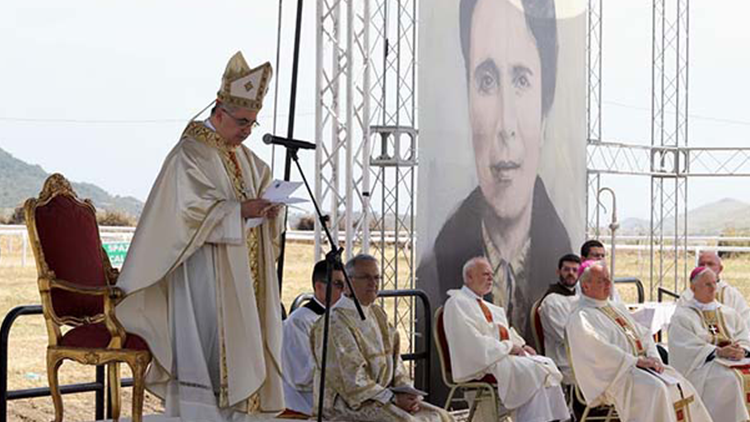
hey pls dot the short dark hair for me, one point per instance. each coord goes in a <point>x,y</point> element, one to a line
<point>587,245</point>
<point>541,19</point>
<point>320,272</point>
<point>571,257</point>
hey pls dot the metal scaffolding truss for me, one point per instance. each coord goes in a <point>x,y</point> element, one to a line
<point>365,129</point>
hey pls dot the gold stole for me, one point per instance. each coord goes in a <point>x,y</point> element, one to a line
<point>228,154</point>
<point>627,328</point>
<point>713,322</point>
<point>682,406</point>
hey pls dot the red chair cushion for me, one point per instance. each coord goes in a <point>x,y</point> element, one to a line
<point>444,344</point>
<point>69,237</point>
<point>489,378</point>
<point>96,336</point>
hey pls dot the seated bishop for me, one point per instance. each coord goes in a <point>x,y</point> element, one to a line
<point>366,380</point>
<point>706,339</point>
<point>614,360</point>
<point>296,353</point>
<point>481,342</point>
<point>726,294</point>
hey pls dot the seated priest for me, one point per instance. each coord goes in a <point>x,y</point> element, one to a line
<point>705,339</point>
<point>296,353</point>
<point>555,308</point>
<point>726,294</point>
<point>615,361</point>
<point>365,378</point>
<point>481,342</point>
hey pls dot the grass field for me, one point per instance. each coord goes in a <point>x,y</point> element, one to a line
<point>28,339</point>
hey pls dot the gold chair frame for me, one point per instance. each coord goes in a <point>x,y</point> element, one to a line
<point>113,354</point>
<point>479,387</point>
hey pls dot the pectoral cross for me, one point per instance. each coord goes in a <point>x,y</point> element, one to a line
<point>714,330</point>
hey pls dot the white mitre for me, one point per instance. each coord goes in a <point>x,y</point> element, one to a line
<point>242,86</point>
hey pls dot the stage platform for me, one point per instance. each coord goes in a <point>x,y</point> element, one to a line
<point>459,415</point>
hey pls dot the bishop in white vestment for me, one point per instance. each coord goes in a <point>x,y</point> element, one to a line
<point>201,283</point>
<point>297,353</point>
<point>481,342</point>
<point>705,338</point>
<point>615,361</point>
<point>366,381</point>
<point>726,294</point>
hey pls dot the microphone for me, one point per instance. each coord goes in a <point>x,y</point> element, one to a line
<point>287,142</point>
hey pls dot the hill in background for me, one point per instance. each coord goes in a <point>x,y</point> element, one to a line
<point>20,180</point>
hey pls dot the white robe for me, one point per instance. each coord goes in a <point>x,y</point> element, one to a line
<point>554,312</point>
<point>297,360</point>
<point>728,295</point>
<point>529,386</point>
<point>190,287</point>
<point>604,364</point>
<point>690,345</point>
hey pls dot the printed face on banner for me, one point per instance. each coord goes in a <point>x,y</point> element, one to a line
<point>505,106</point>
<point>502,94</point>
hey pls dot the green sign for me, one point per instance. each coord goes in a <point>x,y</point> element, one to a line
<point>116,252</point>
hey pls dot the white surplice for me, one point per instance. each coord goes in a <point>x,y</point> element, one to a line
<point>209,312</point>
<point>727,295</point>
<point>529,386</point>
<point>554,312</point>
<point>603,360</point>
<point>297,359</point>
<point>692,351</point>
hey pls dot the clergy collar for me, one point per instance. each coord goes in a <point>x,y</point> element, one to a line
<point>711,306</point>
<point>315,306</point>
<point>470,293</point>
<point>595,303</point>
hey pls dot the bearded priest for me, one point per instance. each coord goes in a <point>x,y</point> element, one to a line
<point>200,277</point>
<point>614,360</point>
<point>707,343</point>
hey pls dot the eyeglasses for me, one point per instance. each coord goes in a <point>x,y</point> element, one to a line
<point>375,278</point>
<point>243,123</point>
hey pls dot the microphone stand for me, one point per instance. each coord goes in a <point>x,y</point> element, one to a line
<point>333,261</point>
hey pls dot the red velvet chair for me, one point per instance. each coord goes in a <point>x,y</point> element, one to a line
<point>485,388</point>
<point>537,329</point>
<point>77,288</point>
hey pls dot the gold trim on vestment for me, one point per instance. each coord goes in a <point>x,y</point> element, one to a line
<point>228,154</point>
<point>682,409</point>
<point>627,328</point>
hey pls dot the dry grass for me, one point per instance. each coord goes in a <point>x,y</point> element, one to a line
<point>28,339</point>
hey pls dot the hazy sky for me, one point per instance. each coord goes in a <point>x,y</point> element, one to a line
<point>101,90</point>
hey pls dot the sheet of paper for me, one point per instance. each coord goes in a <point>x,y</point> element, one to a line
<point>280,191</point>
<point>408,389</point>
<point>666,378</point>
<point>254,222</point>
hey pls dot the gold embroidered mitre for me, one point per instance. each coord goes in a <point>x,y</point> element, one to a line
<point>242,86</point>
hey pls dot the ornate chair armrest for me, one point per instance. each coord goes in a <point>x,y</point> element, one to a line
<point>112,291</point>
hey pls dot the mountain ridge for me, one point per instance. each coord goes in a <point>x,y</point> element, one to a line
<point>20,180</point>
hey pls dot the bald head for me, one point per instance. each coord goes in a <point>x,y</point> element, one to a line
<point>477,274</point>
<point>595,281</point>
<point>711,260</point>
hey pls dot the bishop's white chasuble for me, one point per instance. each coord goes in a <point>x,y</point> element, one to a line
<point>201,287</point>
<point>695,332</point>
<point>605,344</point>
